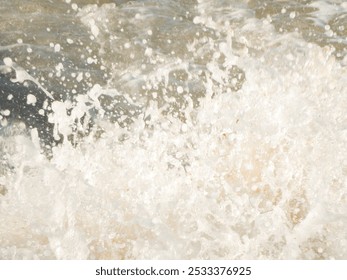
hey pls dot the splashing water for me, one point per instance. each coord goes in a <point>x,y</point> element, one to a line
<point>187,130</point>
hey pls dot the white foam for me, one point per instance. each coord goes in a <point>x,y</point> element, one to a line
<point>253,174</point>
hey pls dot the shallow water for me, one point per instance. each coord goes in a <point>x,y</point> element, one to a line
<point>203,129</point>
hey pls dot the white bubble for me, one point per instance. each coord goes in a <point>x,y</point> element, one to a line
<point>95,30</point>
<point>6,112</point>
<point>197,20</point>
<point>74,6</point>
<point>57,48</point>
<point>148,51</point>
<point>59,66</point>
<point>31,99</point>
<point>179,89</point>
<point>8,61</point>
<point>79,77</point>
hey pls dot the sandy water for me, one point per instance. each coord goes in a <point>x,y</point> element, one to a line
<point>206,129</point>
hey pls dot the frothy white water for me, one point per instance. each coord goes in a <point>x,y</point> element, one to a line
<point>255,173</point>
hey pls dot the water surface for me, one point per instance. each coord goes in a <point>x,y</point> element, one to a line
<point>206,129</point>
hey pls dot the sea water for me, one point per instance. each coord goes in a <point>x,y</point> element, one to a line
<point>192,129</point>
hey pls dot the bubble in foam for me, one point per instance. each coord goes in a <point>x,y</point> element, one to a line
<point>74,6</point>
<point>8,61</point>
<point>31,99</point>
<point>179,89</point>
<point>5,112</point>
<point>57,47</point>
